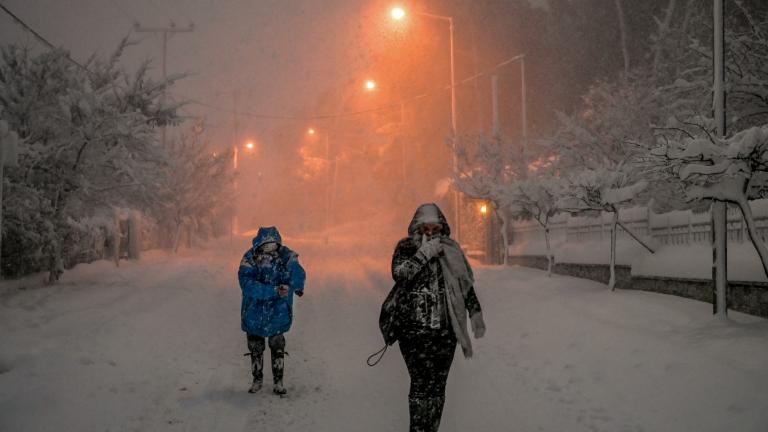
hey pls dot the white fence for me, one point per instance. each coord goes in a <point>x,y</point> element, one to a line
<point>673,228</point>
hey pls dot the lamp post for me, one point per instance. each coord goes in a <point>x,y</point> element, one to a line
<point>398,13</point>
<point>330,180</point>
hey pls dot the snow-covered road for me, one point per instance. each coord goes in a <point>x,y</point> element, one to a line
<point>156,345</point>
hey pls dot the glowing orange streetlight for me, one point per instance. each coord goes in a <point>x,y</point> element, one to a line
<point>483,209</point>
<point>311,131</point>
<point>370,85</point>
<point>397,13</point>
<point>249,145</point>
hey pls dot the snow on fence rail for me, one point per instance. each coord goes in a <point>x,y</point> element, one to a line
<point>673,228</point>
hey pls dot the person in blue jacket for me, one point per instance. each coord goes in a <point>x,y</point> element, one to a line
<point>269,275</point>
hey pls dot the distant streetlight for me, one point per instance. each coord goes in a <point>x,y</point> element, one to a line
<point>397,13</point>
<point>249,145</point>
<point>370,85</point>
<point>311,131</point>
<point>483,209</point>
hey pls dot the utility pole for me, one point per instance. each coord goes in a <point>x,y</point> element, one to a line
<point>166,32</point>
<point>524,114</point>
<point>491,244</point>
<point>235,149</point>
<point>719,208</point>
<point>496,125</point>
<point>9,145</point>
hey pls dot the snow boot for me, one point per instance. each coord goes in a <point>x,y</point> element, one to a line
<point>257,367</point>
<point>278,365</point>
<point>278,389</point>
<point>255,387</point>
<point>425,413</point>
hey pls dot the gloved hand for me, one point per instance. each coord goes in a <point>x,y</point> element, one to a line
<point>431,248</point>
<point>299,293</point>
<point>478,325</point>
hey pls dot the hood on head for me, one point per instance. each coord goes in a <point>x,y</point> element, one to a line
<point>428,213</point>
<point>267,235</point>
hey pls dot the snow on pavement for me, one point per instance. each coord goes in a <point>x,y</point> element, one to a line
<point>156,345</point>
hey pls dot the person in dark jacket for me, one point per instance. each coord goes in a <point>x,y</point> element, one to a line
<point>439,294</point>
<point>269,276</point>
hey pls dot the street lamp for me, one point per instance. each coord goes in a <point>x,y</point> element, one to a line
<point>370,85</point>
<point>398,13</point>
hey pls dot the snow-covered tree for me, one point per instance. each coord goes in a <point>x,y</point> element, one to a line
<point>482,175</point>
<point>538,199</point>
<point>709,168</point>
<point>198,184</point>
<point>88,144</point>
<point>598,191</point>
<point>734,170</point>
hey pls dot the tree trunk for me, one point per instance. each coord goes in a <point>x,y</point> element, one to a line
<point>549,251</point>
<point>177,236</point>
<point>623,33</point>
<point>614,225</point>
<point>504,236</point>
<point>662,34</point>
<point>746,211</point>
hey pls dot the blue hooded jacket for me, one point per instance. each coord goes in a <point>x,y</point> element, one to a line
<point>263,312</point>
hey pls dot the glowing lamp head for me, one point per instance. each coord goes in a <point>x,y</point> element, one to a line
<point>397,13</point>
<point>370,85</point>
<point>311,131</point>
<point>249,146</point>
<point>483,209</point>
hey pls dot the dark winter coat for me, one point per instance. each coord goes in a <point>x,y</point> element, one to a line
<point>429,302</point>
<point>263,312</point>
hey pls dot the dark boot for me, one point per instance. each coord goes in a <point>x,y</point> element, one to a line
<point>257,370</point>
<point>278,365</point>
<point>425,413</point>
<point>277,351</point>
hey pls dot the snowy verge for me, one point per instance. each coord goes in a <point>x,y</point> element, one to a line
<point>684,261</point>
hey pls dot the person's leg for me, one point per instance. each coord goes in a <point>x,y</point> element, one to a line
<point>443,350</point>
<point>428,359</point>
<point>256,348</point>
<point>277,351</point>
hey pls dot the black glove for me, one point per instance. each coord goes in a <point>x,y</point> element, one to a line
<point>299,293</point>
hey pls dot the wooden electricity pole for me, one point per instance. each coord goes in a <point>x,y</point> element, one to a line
<point>166,32</point>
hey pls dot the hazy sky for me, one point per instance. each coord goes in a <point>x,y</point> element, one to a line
<point>274,53</point>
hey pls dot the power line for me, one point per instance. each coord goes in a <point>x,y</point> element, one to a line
<point>354,113</point>
<point>39,36</point>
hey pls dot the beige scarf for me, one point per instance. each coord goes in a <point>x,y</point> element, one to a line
<point>458,278</point>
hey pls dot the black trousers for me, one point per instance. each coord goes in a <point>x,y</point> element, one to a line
<point>256,347</point>
<point>428,356</point>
